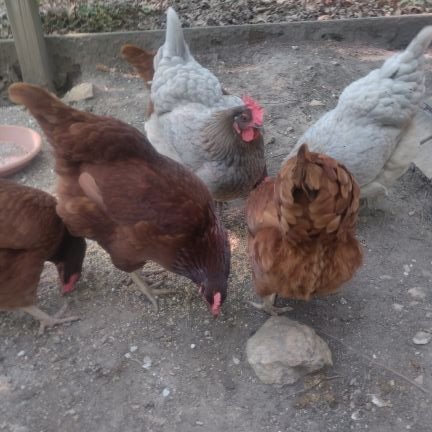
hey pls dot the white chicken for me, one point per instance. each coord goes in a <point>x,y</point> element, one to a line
<point>379,122</point>
<point>194,121</point>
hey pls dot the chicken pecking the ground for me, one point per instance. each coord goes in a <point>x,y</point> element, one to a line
<point>30,234</point>
<point>379,122</point>
<point>195,122</point>
<point>302,230</point>
<point>139,205</point>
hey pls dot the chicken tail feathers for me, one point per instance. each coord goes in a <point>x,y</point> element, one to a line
<point>45,107</point>
<point>140,59</point>
<point>300,166</point>
<point>316,196</point>
<point>420,43</point>
<point>175,44</point>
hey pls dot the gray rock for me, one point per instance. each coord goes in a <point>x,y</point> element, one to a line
<point>282,351</point>
<point>316,103</point>
<point>79,92</point>
<point>422,338</point>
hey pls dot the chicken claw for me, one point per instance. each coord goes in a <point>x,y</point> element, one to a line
<point>47,321</point>
<point>150,291</point>
<point>268,306</point>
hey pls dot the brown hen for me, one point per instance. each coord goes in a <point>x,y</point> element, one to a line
<point>30,234</point>
<point>115,188</point>
<point>302,230</point>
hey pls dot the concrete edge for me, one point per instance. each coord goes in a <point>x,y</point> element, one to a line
<point>69,52</point>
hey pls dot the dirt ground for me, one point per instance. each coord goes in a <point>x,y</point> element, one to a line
<point>124,368</point>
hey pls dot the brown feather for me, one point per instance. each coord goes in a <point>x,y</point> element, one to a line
<point>312,250</point>
<point>141,60</point>
<point>116,189</point>
<point>30,234</point>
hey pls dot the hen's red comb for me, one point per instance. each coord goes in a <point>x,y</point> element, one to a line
<point>256,109</point>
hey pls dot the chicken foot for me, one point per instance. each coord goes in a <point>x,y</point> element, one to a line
<point>268,306</point>
<point>150,291</point>
<point>47,321</point>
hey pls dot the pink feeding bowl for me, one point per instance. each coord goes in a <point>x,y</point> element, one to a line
<point>18,146</point>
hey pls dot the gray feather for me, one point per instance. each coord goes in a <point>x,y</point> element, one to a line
<point>378,123</point>
<point>175,44</point>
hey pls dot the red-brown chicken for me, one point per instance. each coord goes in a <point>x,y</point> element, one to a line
<point>141,60</point>
<point>302,230</point>
<point>30,234</point>
<point>115,188</point>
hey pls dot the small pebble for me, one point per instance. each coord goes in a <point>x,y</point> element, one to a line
<point>411,213</point>
<point>343,301</point>
<point>419,380</point>
<point>295,47</point>
<point>417,293</point>
<point>357,415</point>
<point>422,338</point>
<point>316,103</point>
<point>127,355</point>
<point>397,307</point>
<point>236,361</point>
<point>207,333</point>
<point>21,353</point>
<point>199,423</point>
<point>380,403</point>
<point>166,392</point>
<point>133,348</point>
<point>193,346</point>
<point>147,362</point>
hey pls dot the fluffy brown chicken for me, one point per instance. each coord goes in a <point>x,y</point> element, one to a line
<point>141,60</point>
<point>115,188</point>
<point>30,234</point>
<point>302,230</point>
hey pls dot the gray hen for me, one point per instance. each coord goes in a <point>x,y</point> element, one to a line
<point>216,135</point>
<point>379,122</point>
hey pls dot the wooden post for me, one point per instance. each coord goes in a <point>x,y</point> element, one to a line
<point>29,42</point>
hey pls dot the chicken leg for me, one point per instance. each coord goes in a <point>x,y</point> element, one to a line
<point>150,291</point>
<point>268,306</point>
<point>47,321</point>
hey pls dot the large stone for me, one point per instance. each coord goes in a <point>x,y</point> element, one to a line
<point>282,351</point>
<point>79,92</point>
